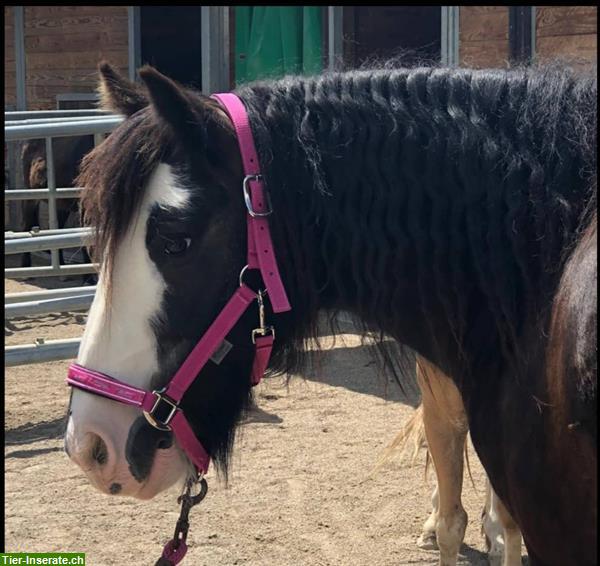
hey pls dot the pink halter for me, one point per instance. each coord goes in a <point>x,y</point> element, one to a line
<point>161,407</point>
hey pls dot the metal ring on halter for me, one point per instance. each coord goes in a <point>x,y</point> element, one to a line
<point>242,274</point>
<point>241,279</point>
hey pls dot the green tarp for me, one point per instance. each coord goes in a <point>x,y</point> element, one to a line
<point>272,41</point>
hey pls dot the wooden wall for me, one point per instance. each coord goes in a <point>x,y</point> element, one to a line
<point>483,36</point>
<point>10,79</point>
<point>63,45</point>
<point>566,31</point>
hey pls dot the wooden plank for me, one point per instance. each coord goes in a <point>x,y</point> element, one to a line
<point>10,78</point>
<point>63,46</point>
<point>484,54</point>
<point>75,24</point>
<point>580,48</point>
<point>9,18</point>
<point>82,60</point>
<point>65,77</point>
<point>43,97</point>
<point>115,38</point>
<point>483,23</point>
<point>565,20</point>
<point>73,10</point>
<point>482,9</point>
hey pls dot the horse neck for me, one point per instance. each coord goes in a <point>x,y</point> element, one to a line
<point>392,209</point>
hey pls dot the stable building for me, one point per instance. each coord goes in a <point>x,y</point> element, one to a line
<point>51,52</point>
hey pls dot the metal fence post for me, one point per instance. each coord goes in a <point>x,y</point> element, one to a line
<point>215,48</point>
<point>335,24</point>
<point>52,213</point>
<point>450,35</point>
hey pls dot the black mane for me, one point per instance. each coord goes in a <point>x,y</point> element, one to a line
<point>477,179</point>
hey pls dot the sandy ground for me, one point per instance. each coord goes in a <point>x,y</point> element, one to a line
<point>299,492</point>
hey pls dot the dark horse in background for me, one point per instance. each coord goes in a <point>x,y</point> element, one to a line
<point>68,153</point>
<point>451,209</point>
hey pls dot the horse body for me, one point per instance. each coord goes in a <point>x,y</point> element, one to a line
<point>68,152</point>
<point>434,204</point>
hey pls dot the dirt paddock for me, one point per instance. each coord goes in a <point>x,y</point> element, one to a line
<point>299,492</point>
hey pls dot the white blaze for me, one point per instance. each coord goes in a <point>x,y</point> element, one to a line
<point>121,342</point>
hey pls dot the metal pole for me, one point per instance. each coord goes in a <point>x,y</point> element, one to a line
<point>59,120</point>
<point>35,308</point>
<point>215,47</point>
<point>533,32</point>
<point>450,36</point>
<point>55,242</point>
<point>11,298</point>
<point>134,40</point>
<point>66,270</point>
<point>52,214</point>
<point>82,128</point>
<point>335,46</point>
<point>41,114</point>
<point>10,235</point>
<point>36,194</point>
<point>41,352</point>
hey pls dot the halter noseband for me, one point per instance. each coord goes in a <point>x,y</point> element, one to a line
<point>161,407</point>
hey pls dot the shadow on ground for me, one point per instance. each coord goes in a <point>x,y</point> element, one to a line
<point>35,432</point>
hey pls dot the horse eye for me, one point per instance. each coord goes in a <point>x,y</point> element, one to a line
<point>176,244</point>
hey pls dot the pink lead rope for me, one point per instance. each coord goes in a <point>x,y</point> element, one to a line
<point>161,407</point>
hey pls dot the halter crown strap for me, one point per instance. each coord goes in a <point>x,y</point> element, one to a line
<point>261,253</point>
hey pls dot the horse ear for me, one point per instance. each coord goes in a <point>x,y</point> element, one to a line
<point>178,109</point>
<point>117,94</point>
<point>195,119</point>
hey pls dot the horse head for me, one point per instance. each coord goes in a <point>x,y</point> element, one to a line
<point>164,195</point>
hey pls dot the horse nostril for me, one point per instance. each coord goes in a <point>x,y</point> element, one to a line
<point>115,488</point>
<point>99,451</point>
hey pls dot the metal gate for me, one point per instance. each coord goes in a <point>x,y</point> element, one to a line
<point>21,126</point>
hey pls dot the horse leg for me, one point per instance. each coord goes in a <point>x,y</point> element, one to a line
<point>502,535</point>
<point>512,534</point>
<point>446,431</point>
<point>491,527</point>
<point>427,540</point>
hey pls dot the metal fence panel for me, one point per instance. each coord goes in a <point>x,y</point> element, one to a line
<point>76,128</point>
<point>20,126</point>
<point>63,270</point>
<point>36,244</point>
<point>40,352</point>
<point>61,304</point>
<point>11,298</point>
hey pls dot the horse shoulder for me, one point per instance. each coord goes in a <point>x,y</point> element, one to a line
<point>572,352</point>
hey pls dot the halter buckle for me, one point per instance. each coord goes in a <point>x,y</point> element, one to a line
<point>159,422</point>
<point>264,331</point>
<point>248,199</point>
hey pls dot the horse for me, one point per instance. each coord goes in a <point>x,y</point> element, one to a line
<point>68,152</point>
<point>440,425</point>
<point>451,209</point>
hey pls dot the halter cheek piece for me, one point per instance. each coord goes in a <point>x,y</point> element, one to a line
<point>161,407</point>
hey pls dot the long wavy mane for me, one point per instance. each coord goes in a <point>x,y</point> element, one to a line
<point>480,178</point>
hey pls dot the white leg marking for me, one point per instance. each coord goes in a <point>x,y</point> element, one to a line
<point>427,540</point>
